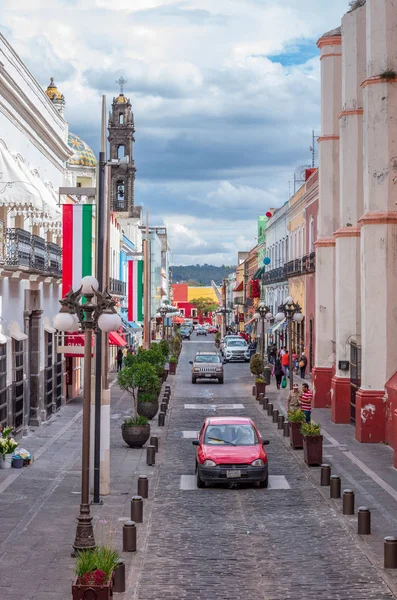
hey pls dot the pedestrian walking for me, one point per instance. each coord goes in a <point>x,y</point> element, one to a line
<point>306,401</point>
<point>278,373</point>
<point>285,363</point>
<point>294,398</point>
<point>295,361</point>
<point>303,365</point>
<point>119,359</point>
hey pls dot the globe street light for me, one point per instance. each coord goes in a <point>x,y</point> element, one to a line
<point>263,313</point>
<point>89,316</point>
<point>291,311</point>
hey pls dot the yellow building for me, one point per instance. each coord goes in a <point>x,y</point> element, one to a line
<point>194,293</point>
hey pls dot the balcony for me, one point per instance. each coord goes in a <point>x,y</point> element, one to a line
<point>31,252</point>
<point>117,287</point>
<point>275,275</point>
<point>238,300</point>
<point>301,266</point>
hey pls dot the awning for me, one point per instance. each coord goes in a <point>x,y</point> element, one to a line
<point>178,320</point>
<point>51,209</point>
<point>258,274</point>
<point>251,320</point>
<point>115,339</point>
<point>75,341</point>
<point>16,188</point>
<point>276,326</point>
<point>239,287</point>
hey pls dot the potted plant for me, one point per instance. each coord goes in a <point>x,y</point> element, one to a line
<point>257,367</point>
<point>7,447</point>
<point>217,339</point>
<point>148,404</point>
<point>173,363</point>
<point>295,420</point>
<point>312,443</point>
<point>94,573</point>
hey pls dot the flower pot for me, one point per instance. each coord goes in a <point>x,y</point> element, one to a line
<point>313,449</point>
<point>135,436</point>
<point>5,461</point>
<point>148,409</point>
<point>295,436</point>
<point>17,462</point>
<point>260,389</point>
<point>173,368</point>
<point>92,592</point>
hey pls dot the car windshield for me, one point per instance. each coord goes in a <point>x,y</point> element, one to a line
<point>236,343</point>
<point>207,358</point>
<point>235,435</point>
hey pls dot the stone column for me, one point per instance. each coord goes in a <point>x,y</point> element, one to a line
<point>37,412</point>
<point>379,223</point>
<point>328,216</point>
<point>347,280</point>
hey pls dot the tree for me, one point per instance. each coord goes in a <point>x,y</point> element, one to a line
<point>204,305</point>
<point>137,377</point>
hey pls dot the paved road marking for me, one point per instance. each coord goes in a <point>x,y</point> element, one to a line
<point>214,406</point>
<point>189,435</point>
<point>276,482</point>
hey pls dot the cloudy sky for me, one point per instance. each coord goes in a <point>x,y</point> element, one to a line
<point>225,96</point>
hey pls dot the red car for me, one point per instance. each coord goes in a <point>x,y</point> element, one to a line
<point>230,449</point>
<point>212,329</point>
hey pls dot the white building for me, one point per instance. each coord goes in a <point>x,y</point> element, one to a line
<point>274,279</point>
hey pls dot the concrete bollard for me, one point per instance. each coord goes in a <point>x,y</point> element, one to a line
<point>261,399</point>
<point>161,419</point>
<point>275,415</point>
<point>348,502</point>
<point>129,537</point>
<point>270,409</point>
<point>325,474</point>
<point>335,486</point>
<point>154,441</point>
<point>119,578</point>
<point>265,402</point>
<point>168,387</point>
<point>150,455</point>
<point>166,400</point>
<point>280,422</point>
<point>390,552</point>
<point>363,521</point>
<point>163,408</point>
<point>286,429</point>
<point>143,486</point>
<point>254,390</point>
<point>137,509</point>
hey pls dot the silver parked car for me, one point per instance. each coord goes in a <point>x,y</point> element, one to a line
<point>207,365</point>
<point>236,350</point>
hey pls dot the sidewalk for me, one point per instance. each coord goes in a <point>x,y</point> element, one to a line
<point>367,469</point>
<point>39,504</point>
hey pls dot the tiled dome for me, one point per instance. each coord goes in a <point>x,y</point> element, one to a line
<point>121,99</point>
<point>52,91</point>
<point>83,155</point>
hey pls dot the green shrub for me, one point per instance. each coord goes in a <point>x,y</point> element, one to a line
<point>139,377</point>
<point>165,348</point>
<point>138,420</point>
<point>147,397</point>
<point>173,359</point>
<point>311,428</point>
<point>257,365</point>
<point>296,416</point>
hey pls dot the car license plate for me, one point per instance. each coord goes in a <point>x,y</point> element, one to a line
<point>233,474</point>
<point>208,375</point>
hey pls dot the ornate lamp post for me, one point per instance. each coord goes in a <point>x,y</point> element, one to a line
<point>224,312</point>
<point>291,311</point>
<point>166,310</point>
<point>263,312</point>
<point>163,310</point>
<point>88,317</point>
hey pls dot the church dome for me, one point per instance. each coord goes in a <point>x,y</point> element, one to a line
<point>121,99</point>
<point>82,153</point>
<point>52,91</point>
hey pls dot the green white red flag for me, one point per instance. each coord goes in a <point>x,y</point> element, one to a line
<point>76,245</point>
<point>135,290</point>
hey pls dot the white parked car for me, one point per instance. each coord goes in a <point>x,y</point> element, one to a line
<point>236,349</point>
<point>226,338</point>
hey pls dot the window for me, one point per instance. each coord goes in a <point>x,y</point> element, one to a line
<point>311,235</point>
<point>58,382</point>
<point>121,151</point>
<point>182,311</point>
<point>18,383</point>
<point>121,119</point>
<point>48,374</point>
<point>3,386</point>
<point>303,240</point>
<point>120,195</point>
<point>194,312</point>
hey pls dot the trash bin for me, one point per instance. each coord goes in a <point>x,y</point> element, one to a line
<point>267,374</point>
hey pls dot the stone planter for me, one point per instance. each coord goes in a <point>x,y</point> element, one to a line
<point>135,436</point>
<point>92,592</point>
<point>173,368</point>
<point>260,389</point>
<point>5,461</point>
<point>148,409</point>
<point>313,449</point>
<point>295,436</point>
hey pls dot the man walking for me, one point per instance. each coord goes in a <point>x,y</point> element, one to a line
<point>285,363</point>
<point>303,365</point>
<point>294,398</point>
<point>306,401</point>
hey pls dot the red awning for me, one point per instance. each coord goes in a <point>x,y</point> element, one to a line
<point>250,321</point>
<point>115,339</point>
<point>239,287</point>
<point>178,320</point>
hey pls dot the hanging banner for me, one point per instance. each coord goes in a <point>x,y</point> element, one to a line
<point>135,290</point>
<point>76,245</point>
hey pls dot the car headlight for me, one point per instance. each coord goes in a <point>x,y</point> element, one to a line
<point>209,463</point>
<point>196,369</point>
<point>258,463</point>
<point>219,369</point>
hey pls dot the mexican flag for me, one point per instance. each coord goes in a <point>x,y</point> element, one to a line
<point>135,290</point>
<point>76,245</point>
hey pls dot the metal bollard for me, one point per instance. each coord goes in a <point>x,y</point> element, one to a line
<point>270,409</point>
<point>261,399</point>
<point>161,419</point>
<point>348,502</point>
<point>325,474</point>
<point>150,455</point>
<point>137,509</point>
<point>163,408</point>
<point>154,441</point>
<point>166,400</point>
<point>363,521</point>
<point>286,429</point>
<point>129,537</point>
<point>265,402</point>
<point>119,578</point>
<point>143,486</point>
<point>335,486</point>
<point>168,387</point>
<point>280,422</point>
<point>254,390</point>
<point>275,415</point>
<point>390,552</point>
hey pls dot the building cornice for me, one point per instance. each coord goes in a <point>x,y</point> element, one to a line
<point>329,40</point>
<point>327,138</point>
<point>379,218</point>
<point>347,232</point>
<point>377,79</point>
<point>330,55</point>
<point>351,113</point>
<point>324,242</point>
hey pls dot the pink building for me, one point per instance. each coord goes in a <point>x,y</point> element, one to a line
<point>311,212</point>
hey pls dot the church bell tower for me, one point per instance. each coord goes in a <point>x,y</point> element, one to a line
<point>121,139</point>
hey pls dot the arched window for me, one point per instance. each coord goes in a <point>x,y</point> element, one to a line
<point>120,195</point>
<point>120,151</point>
<point>121,119</point>
<point>303,240</point>
<point>311,235</point>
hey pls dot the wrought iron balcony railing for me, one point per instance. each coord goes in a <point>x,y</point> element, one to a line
<point>301,266</point>
<point>22,249</point>
<point>117,287</point>
<point>275,275</point>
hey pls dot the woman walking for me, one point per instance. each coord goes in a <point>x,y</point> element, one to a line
<point>278,372</point>
<point>119,359</point>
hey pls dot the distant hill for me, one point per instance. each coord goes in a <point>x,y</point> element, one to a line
<point>200,274</point>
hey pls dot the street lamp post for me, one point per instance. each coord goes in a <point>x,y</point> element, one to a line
<point>89,316</point>
<point>291,311</point>
<point>263,312</point>
<point>163,310</point>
